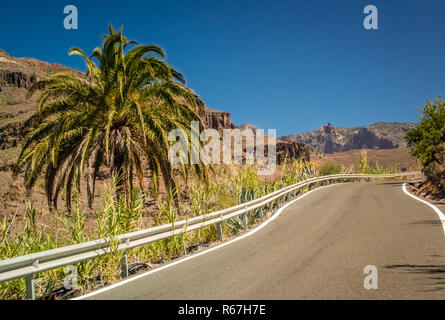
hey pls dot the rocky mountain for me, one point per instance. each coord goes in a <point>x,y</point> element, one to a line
<point>330,139</point>
<point>16,76</point>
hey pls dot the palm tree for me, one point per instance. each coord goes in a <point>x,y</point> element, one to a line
<point>119,115</point>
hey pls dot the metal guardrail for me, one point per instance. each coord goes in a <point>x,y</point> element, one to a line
<point>28,265</point>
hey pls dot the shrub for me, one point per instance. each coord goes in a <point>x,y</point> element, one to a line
<point>428,134</point>
<point>329,168</point>
<point>297,171</point>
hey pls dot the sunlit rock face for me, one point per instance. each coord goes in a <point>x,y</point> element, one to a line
<point>216,119</point>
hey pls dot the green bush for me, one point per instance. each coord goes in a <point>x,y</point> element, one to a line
<point>427,135</point>
<point>329,168</point>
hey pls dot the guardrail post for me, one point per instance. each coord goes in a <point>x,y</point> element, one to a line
<point>124,267</point>
<point>260,212</point>
<point>423,176</point>
<point>219,231</point>
<point>245,221</point>
<point>183,243</point>
<point>30,294</point>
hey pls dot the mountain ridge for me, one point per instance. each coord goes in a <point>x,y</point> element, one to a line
<point>330,139</point>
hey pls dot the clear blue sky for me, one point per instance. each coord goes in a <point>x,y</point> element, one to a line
<point>289,65</point>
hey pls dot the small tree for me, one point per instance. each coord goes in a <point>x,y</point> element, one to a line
<point>428,134</point>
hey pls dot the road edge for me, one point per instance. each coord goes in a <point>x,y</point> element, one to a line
<point>436,209</point>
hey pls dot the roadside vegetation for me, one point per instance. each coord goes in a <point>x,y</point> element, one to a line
<point>428,145</point>
<point>232,185</point>
<point>329,168</point>
<point>368,168</point>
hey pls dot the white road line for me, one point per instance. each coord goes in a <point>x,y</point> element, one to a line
<point>436,209</point>
<point>279,211</point>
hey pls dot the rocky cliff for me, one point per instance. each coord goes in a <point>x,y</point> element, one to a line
<point>16,76</point>
<point>330,139</point>
<point>287,150</point>
<point>217,119</point>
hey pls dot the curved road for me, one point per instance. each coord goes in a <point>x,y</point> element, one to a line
<point>317,249</point>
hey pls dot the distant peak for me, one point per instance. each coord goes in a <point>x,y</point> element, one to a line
<point>329,128</point>
<point>4,53</point>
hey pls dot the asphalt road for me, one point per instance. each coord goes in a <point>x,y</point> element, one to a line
<point>317,249</point>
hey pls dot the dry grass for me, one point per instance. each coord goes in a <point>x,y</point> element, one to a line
<point>385,158</point>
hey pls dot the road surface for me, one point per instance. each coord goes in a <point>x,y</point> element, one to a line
<point>317,249</point>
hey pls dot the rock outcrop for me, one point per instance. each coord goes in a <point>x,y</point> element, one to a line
<point>14,78</point>
<point>17,74</point>
<point>216,119</point>
<point>366,139</point>
<point>287,150</point>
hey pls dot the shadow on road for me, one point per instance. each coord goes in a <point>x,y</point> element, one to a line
<point>436,223</point>
<point>436,272</point>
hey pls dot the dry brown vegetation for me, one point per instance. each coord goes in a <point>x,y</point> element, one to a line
<point>385,158</point>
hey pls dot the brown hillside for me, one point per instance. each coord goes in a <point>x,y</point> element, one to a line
<point>386,158</point>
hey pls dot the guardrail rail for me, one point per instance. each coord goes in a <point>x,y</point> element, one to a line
<point>28,265</point>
